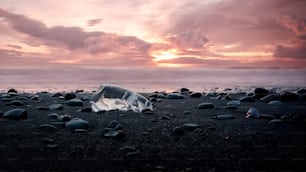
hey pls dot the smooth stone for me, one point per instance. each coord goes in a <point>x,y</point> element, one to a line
<point>219,97</point>
<point>47,140</point>
<point>269,98</point>
<point>77,123</point>
<point>85,98</point>
<point>233,103</point>
<point>5,96</point>
<point>16,114</point>
<point>53,116</point>
<point>56,95</point>
<point>184,90</point>
<point>47,127</point>
<point>247,99</point>
<point>224,117</point>
<point>127,148</point>
<point>43,108</point>
<point>36,97</point>
<point>177,131</point>
<point>191,126</point>
<point>113,124</point>
<point>252,113</point>
<point>79,91</point>
<point>165,117</point>
<point>266,116</point>
<point>187,112</point>
<point>276,121</point>
<point>288,96</point>
<point>86,109</point>
<point>69,96</point>
<point>235,96</point>
<point>56,107</point>
<point>12,90</point>
<point>16,103</point>
<point>196,95</point>
<point>231,107</point>
<point>80,131</point>
<point>119,127</point>
<point>23,98</point>
<point>211,94</point>
<point>206,105</point>
<point>75,102</point>
<point>275,102</point>
<point>260,92</point>
<point>174,96</point>
<point>114,134</point>
<point>64,118</point>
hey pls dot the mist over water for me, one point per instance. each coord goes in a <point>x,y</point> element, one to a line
<point>149,79</point>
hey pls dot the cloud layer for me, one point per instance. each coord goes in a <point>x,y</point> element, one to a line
<point>149,33</point>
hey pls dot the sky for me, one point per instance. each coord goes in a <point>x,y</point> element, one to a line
<point>153,33</point>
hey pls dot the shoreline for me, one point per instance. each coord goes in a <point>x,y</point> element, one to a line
<point>178,135</point>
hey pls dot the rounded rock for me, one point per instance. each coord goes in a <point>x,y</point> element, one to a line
<point>191,126</point>
<point>260,92</point>
<point>75,102</point>
<point>16,114</point>
<point>196,95</point>
<point>233,103</point>
<point>206,105</point>
<point>77,123</point>
<point>69,96</point>
<point>225,117</point>
<point>56,107</point>
<point>177,131</point>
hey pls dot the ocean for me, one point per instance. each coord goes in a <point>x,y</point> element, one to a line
<point>149,79</point>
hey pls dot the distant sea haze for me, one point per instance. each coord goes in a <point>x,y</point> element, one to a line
<point>149,79</point>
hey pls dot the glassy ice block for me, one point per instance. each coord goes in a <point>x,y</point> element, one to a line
<point>111,97</point>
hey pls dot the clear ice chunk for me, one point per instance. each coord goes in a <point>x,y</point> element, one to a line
<point>112,97</point>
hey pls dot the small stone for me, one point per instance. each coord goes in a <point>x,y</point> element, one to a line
<point>64,118</point>
<point>177,131</point>
<point>225,117</point>
<point>276,121</point>
<point>42,108</point>
<point>53,116</point>
<point>252,113</point>
<point>233,103</point>
<point>47,141</point>
<point>165,117</point>
<point>51,146</point>
<point>35,97</point>
<point>75,102</point>
<point>114,134</point>
<point>86,109</point>
<point>118,127</point>
<point>47,128</point>
<point>56,95</point>
<point>16,114</point>
<point>174,96</point>
<point>288,96</point>
<point>247,99</point>
<point>196,95</point>
<point>260,92</point>
<point>79,91</point>
<point>85,98</point>
<point>78,130</point>
<point>206,105</point>
<point>211,94</point>
<point>56,107</point>
<point>269,98</point>
<point>187,112</point>
<point>191,126</point>
<point>77,123</point>
<point>12,90</point>
<point>184,90</point>
<point>113,124</point>
<point>127,148</point>
<point>275,102</point>
<point>69,96</point>
<point>235,96</point>
<point>16,103</point>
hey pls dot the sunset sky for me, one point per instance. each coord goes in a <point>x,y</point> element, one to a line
<point>153,33</point>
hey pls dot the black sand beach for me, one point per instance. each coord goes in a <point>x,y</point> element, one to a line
<point>275,141</point>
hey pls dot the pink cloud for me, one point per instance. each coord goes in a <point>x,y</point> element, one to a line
<point>93,22</point>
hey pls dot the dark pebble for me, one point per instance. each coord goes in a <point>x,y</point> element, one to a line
<point>57,95</point>
<point>77,123</point>
<point>47,128</point>
<point>174,96</point>
<point>64,118</point>
<point>86,109</point>
<point>112,124</point>
<point>16,103</point>
<point>260,92</point>
<point>177,131</point>
<point>288,96</point>
<point>206,105</point>
<point>247,99</point>
<point>12,90</point>
<point>196,95</point>
<point>75,102</point>
<point>225,117</point>
<point>52,116</point>
<point>165,117</point>
<point>16,114</point>
<point>269,98</point>
<point>69,96</point>
<point>191,126</point>
<point>56,107</point>
<point>114,134</point>
<point>43,108</point>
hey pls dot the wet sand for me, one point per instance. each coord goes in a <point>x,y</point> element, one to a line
<point>149,143</point>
